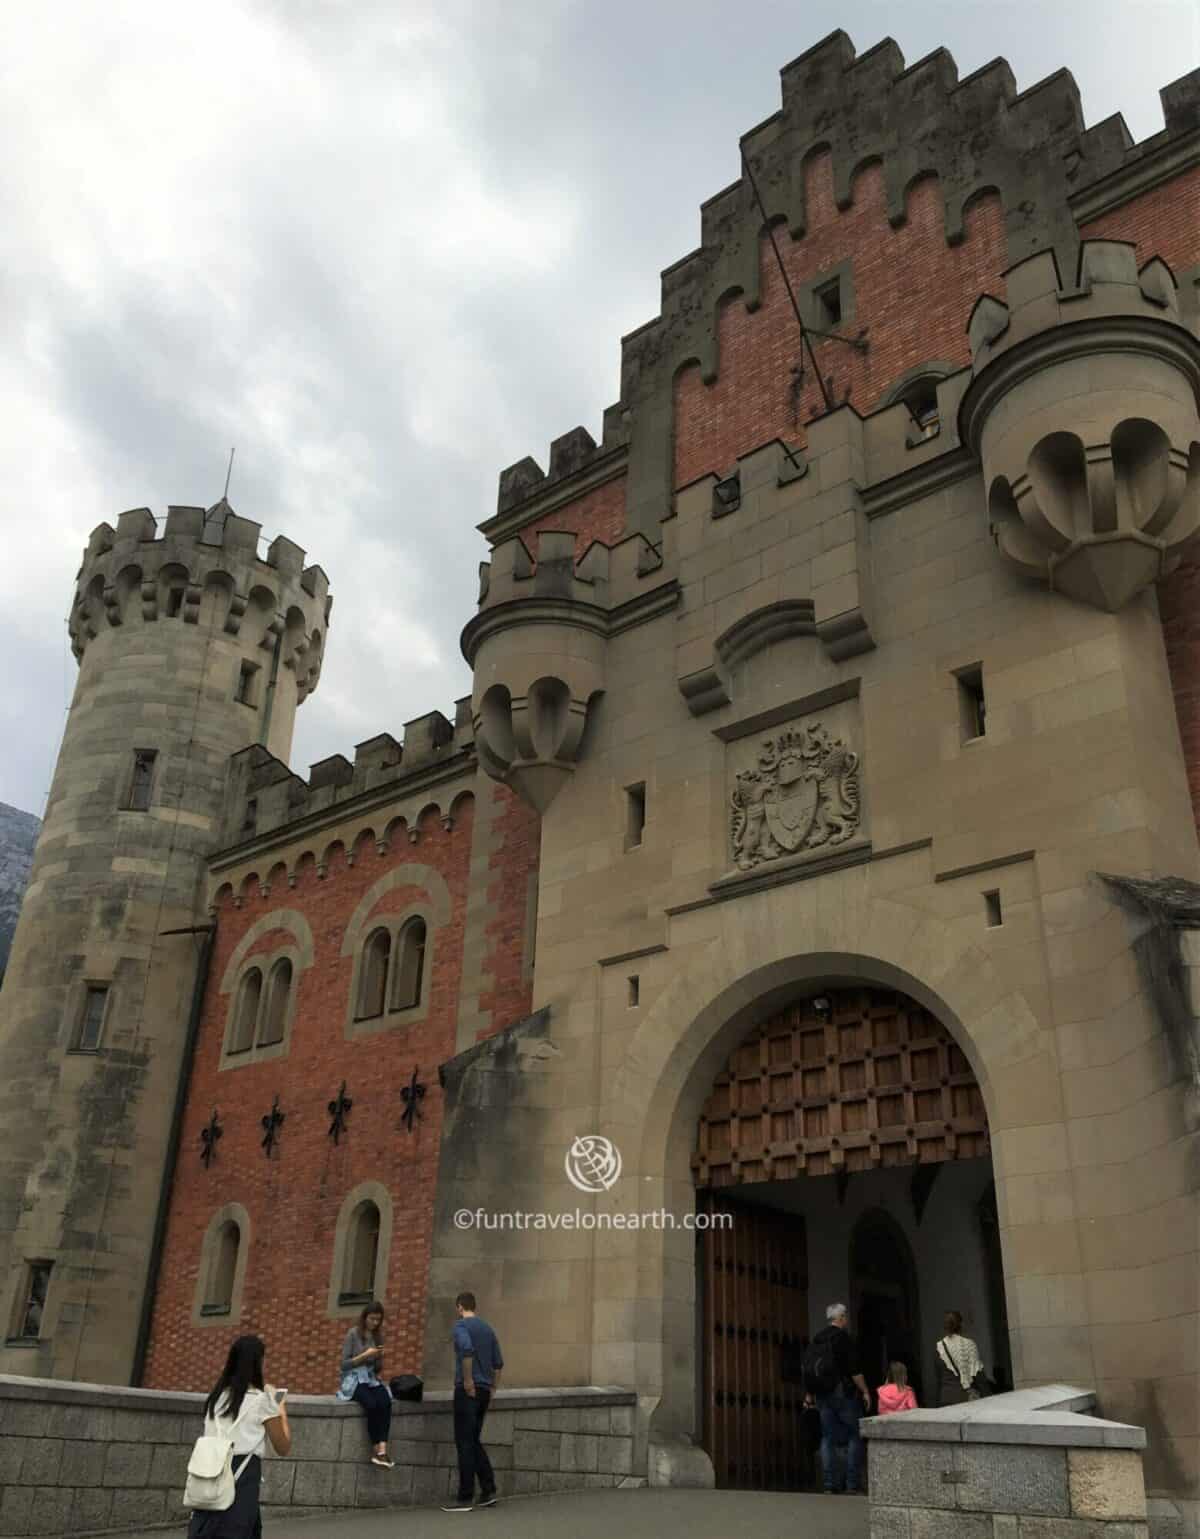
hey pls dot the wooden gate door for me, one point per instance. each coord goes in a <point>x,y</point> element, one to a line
<point>850,1080</point>
<point>754,1281</point>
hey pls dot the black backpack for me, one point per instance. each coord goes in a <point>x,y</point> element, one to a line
<point>407,1386</point>
<point>821,1373</point>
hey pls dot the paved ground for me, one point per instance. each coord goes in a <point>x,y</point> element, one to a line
<point>600,1515</point>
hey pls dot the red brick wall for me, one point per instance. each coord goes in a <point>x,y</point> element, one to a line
<point>294,1199</point>
<point>912,290</point>
<point>1164,222</point>
<point>597,515</point>
<point>514,859</point>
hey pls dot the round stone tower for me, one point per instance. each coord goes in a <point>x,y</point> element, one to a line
<point>191,646</point>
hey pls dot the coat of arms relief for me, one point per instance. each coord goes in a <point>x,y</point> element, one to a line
<point>802,795</point>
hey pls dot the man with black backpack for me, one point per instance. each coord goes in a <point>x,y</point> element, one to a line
<point>834,1383</point>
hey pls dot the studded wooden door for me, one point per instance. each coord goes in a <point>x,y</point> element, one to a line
<point>754,1287</point>
<point>851,1080</point>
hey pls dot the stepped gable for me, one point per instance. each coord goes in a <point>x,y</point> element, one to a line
<point>975,135</point>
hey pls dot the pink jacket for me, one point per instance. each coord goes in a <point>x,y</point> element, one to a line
<point>892,1398</point>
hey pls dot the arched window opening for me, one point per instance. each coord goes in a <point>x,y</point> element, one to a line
<point>362,1255</point>
<point>921,399</point>
<point>410,968</point>
<point>275,1016</point>
<point>246,1011</point>
<point>222,1271</point>
<point>376,955</point>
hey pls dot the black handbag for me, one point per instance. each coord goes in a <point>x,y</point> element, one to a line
<point>407,1386</point>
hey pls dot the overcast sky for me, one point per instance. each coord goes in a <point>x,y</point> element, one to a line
<point>385,248</point>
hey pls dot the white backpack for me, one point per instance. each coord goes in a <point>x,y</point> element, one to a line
<point>211,1482</point>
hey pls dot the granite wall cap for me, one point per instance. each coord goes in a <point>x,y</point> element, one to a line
<point>64,1392</point>
<point>1048,1416</point>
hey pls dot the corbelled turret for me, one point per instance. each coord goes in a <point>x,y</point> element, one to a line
<point>1083,408</point>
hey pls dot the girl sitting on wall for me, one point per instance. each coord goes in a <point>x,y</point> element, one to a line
<point>362,1359</point>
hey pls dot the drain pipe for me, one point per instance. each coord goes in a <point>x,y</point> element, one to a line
<point>203,963</point>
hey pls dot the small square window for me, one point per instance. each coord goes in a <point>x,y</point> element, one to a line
<point>635,990</point>
<point>246,692</point>
<point>829,304</point>
<point>635,815</point>
<point>141,779</point>
<point>995,914</point>
<point>90,1027</point>
<point>972,706</point>
<point>31,1302</point>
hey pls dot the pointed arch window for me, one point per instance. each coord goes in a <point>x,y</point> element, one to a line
<point>245,1019</point>
<point>274,1017</point>
<point>410,966</point>
<point>372,992</point>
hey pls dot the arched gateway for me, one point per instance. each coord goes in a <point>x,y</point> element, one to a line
<point>847,1140</point>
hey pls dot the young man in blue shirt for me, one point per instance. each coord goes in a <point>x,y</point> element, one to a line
<point>477,1365</point>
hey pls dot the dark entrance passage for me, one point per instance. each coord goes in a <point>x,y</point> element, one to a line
<point>847,1136</point>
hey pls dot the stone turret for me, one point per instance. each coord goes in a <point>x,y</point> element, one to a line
<point>1083,408</point>
<point>538,648</point>
<point>191,647</point>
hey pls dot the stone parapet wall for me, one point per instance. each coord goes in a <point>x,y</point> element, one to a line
<point>83,1459</point>
<point>1027,1465</point>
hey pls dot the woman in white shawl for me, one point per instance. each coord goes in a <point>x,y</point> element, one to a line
<point>958,1363</point>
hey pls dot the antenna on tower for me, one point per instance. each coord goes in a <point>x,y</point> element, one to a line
<point>228,473</point>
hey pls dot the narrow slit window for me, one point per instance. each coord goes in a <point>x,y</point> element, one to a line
<point>922,402</point>
<point>31,1301</point>
<point>141,780</point>
<point>90,1027</point>
<point>250,817</point>
<point>995,914</point>
<point>635,990</point>
<point>972,706</point>
<point>174,602</point>
<point>635,815</point>
<point>246,692</point>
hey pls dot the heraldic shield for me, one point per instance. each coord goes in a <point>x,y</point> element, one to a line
<point>791,808</point>
<point>802,794</point>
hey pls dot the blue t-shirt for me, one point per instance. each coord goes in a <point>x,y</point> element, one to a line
<point>476,1338</point>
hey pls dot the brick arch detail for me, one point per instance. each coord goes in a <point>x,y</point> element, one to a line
<point>278,919</point>
<point>409,875</point>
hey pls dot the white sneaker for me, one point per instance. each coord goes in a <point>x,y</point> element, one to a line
<point>460,1507</point>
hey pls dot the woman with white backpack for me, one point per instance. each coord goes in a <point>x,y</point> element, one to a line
<point>225,1469</point>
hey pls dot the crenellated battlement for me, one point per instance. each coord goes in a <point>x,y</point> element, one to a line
<point>264,796</point>
<point>604,577</point>
<point>203,568</point>
<point>571,457</point>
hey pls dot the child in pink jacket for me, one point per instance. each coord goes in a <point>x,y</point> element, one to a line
<point>895,1395</point>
